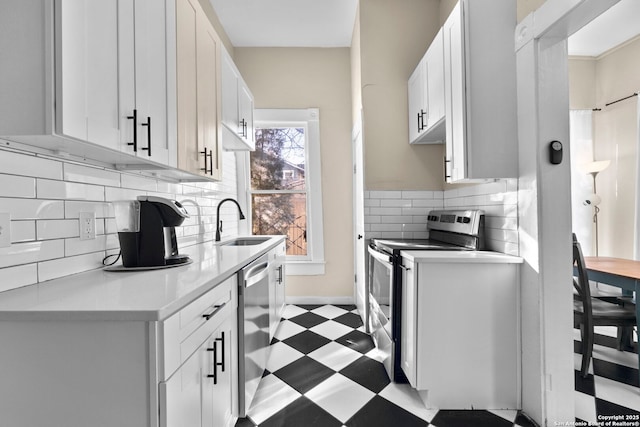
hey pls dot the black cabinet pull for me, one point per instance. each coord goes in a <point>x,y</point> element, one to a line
<point>418,114</point>
<point>135,130</point>
<point>445,169</point>
<point>280,274</point>
<point>217,308</point>
<point>215,363</point>
<point>205,169</point>
<point>210,155</point>
<point>242,127</point>
<point>244,130</point>
<point>148,125</point>
<point>221,340</point>
<point>422,113</point>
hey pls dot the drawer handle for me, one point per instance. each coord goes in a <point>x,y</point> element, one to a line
<point>217,309</point>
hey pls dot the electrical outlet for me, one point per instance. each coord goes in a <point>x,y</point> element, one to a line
<point>87,225</point>
<point>5,230</point>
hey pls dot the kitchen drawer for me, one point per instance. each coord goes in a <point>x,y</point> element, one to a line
<point>186,330</point>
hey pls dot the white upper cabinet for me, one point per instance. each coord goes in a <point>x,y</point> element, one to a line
<point>237,108</point>
<point>480,91</point>
<point>426,96</point>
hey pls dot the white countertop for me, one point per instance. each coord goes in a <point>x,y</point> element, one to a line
<point>141,295</point>
<point>486,257</point>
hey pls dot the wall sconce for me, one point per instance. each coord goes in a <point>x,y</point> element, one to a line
<point>594,168</point>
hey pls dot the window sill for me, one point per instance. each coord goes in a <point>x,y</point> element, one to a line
<point>305,268</point>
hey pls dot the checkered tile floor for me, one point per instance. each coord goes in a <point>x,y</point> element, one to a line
<point>324,371</point>
<point>611,387</point>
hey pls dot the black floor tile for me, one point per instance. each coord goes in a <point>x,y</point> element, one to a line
<point>368,373</point>
<point>379,412</point>
<point>469,418</point>
<point>347,307</point>
<point>302,412</point>
<point>309,306</point>
<point>304,374</point>
<point>615,372</point>
<point>307,341</point>
<point>358,341</point>
<point>584,385</point>
<point>350,319</point>
<point>244,422</point>
<point>308,320</point>
<point>604,407</point>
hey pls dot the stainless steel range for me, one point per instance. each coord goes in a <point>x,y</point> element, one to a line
<point>449,230</point>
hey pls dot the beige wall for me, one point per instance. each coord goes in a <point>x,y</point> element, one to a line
<point>304,78</point>
<point>393,38</point>
<point>616,139</point>
<point>582,83</point>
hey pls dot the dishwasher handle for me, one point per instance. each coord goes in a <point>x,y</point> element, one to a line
<point>255,274</point>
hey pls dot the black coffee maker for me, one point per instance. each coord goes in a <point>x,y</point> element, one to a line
<point>146,230</point>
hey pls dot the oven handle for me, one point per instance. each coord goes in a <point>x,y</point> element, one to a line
<point>379,256</point>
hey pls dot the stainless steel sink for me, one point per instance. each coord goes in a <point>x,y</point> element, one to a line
<point>244,241</point>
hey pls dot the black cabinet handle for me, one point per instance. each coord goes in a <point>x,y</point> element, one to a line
<point>210,155</point>
<point>221,340</point>
<point>422,113</point>
<point>205,169</point>
<point>215,363</point>
<point>445,169</point>
<point>280,274</point>
<point>135,130</point>
<point>243,127</point>
<point>217,308</point>
<point>148,125</point>
<point>418,114</point>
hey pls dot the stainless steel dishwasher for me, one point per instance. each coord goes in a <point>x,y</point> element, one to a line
<point>253,329</point>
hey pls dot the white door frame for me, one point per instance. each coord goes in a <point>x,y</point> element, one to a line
<point>544,207</point>
<point>360,291</point>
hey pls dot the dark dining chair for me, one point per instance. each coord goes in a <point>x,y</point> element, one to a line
<point>589,311</point>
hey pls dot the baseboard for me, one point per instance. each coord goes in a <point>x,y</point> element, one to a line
<point>319,300</point>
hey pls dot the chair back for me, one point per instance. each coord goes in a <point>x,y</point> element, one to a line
<point>581,280</point>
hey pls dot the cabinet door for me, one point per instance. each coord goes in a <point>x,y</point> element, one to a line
<point>207,48</point>
<point>281,275</point>
<point>455,97</point>
<point>416,87</point>
<point>87,65</point>
<point>180,395</point>
<point>434,70</point>
<point>409,322</point>
<point>151,79</point>
<point>189,158</point>
<point>230,108</point>
<point>245,106</point>
<point>217,389</point>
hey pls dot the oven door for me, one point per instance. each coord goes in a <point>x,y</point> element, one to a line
<point>380,286</point>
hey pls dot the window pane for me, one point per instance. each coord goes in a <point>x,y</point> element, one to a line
<point>282,214</point>
<point>278,162</point>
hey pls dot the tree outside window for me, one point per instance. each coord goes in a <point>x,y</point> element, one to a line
<point>279,186</point>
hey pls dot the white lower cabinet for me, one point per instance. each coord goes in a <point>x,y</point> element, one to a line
<point>460,325</point>
<point>199,393</point>
<point>277,279</point>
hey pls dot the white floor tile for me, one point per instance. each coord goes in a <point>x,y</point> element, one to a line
<point>272,395</point>
<point>292,311</point>
<point>329,311</point>
<point>376,354</point>
<point>335,356</point>
<point>287,329</point>
<point>618,393</point>
<point>585,407</point>
<point>340,396</point>
<point>332,330</point>
<point>613,355</point>
<point>407,398</point>
<point>280,355</point>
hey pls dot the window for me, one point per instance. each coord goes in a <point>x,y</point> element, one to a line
<point>284,185</point>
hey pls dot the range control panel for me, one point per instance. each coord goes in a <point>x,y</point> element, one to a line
<point>456,221</point>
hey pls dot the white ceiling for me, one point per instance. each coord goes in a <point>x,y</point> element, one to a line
<point>287,23</point>
<point>617,25</point>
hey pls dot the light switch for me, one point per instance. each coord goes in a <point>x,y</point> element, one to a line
<point>5,230</point>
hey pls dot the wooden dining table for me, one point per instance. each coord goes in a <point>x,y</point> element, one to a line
<point>619,272</point>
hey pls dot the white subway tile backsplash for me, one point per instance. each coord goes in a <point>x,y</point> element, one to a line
<point>400,203</point>
<point>32,208</point>
<point>17,186</point>
<point>44,198</point>
<point>49,189</point>
<point>385,194</point>
<point>413,195</point>
<point>61,267</point>
<point>23,231</point>
<point>91,175</point>
<point>30,165</point>
<point>15,277</point>
<point>72,209</point>
<point>385,211</point>
<point>26,253</point>
<point>58,229</point>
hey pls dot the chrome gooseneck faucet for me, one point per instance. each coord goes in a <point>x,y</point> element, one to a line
<point>219,223</point>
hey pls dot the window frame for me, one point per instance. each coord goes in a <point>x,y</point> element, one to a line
<point>308,118</point>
